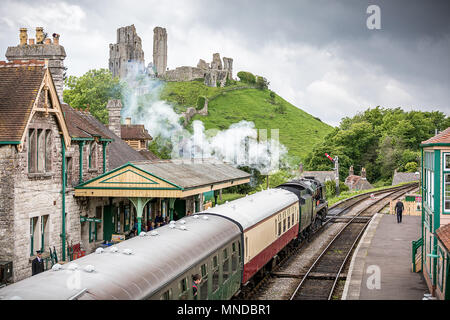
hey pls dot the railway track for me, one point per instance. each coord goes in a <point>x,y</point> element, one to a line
<point>322,277</point>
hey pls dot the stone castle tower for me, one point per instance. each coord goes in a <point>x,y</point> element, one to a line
<point>160,50</point>
<point>127,49</point>
<point>43,48</point>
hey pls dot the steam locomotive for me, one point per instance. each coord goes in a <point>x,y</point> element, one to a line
<point>228,245</point>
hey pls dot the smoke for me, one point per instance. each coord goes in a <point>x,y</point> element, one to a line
<point>240,145</point>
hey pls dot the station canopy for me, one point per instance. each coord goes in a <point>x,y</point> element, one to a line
<point>163,179</point>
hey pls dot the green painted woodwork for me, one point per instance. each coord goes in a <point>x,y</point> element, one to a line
<point>119,174</point>
<point>139,204</point>
<point>81,146</point>
<point>63,211</point>
<point>105,144</point>
<point>81,186</point>
<point>108,225</point>
<point>9,142</point>
<point>415,245</point>
<point>180,208</point>
<point>171,207</point>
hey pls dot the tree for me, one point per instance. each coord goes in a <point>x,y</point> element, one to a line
<point>247,77</point>
<point>93,90</point>
<point>262,83</point>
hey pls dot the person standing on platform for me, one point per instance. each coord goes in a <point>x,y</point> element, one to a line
<point>399,210</point>
<point>37,266</point>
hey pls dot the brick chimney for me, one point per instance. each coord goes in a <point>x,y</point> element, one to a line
<point>363,173</point>
<point>351,172</point>
<point>114,107</point>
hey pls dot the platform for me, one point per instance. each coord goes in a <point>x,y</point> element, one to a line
<point>385,247</point>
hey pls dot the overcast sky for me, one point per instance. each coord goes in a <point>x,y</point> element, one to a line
<point>318,55</point>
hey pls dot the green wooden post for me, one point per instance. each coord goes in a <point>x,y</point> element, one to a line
<point>63,192</point>
<point>171,207</point>
<point>437,210</point>
<point>81,146</point>
<point>105,143</point>
<point>139,203</point>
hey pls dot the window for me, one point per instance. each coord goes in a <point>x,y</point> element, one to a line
<point>204,283</point>
<point>32,152</point>
<point>234,258</point>
<point>215,277</point>
<point>226,265</point>
<point>279,228</point>
<point>44,232</point>
<point>284,225</point>
<point>48,150</point>
<point>184,294</point>
<point>39,150</point>
<point>289,222</point>
<point>167,295</point>
<point>34,236</point>
<point>446,161</point>
<point>69,171</point>
<point>447,192</point>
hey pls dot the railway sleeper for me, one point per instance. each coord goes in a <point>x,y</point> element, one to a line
<point>312,275</point>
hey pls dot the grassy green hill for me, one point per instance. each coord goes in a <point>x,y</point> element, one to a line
<point>298,130</point>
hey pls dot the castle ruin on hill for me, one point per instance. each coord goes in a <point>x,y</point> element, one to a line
<point>128,50</point>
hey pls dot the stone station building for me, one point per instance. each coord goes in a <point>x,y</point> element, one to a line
<point>51,154</point>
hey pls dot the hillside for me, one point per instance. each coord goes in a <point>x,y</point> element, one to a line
<point>299,131</point>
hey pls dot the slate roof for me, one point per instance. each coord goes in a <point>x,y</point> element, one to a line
<point>442,137</point>
<point>443,234</point>
<point>78,124</point>
<point>322,176</point>
<point>82,124</point>
<point>19,84</point>
<point>118,151</point>
<point>355,182</point>
<point>400,177</point>
<point>134,132</point>
<point>192,173</point>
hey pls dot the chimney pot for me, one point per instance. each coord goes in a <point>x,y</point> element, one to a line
<point>56,38</point>
<point>31,41</point>
<point>47,41</point>
<point>23,36</point>
<point>363,173</point>
<point>128,121</point>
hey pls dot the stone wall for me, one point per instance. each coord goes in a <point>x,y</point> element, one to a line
<point>25,195</point>
<point>127,49</point>
<point>160,50</point>
<point>214,74</point>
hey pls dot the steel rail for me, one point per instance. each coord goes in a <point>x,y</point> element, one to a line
<point>305,277</point>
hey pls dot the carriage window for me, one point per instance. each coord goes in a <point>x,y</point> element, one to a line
<point>225,253</point>
<point>215,279</point>
<point>289,222</point>
<point>183,290</point>
<point>279,228</point>
<point>203,270</point>
<point>204,283</point>
<point>226,269</point>
<point>215,263</point>
<point>167,295</point>
<point>284,225</point>
<point>234,261</point>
